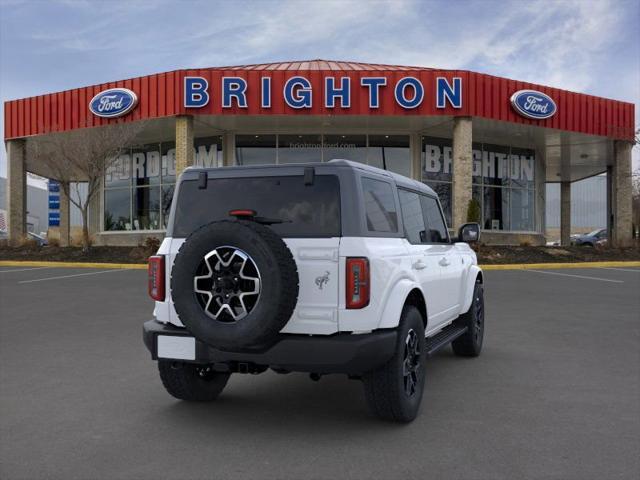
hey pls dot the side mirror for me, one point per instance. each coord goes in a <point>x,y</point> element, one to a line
<point>469,233</point>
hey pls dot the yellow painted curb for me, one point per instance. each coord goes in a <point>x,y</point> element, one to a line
<point>525,266</point>
<point>28,263</point>
<point>143,266</point>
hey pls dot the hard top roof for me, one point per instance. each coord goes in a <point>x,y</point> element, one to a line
<point>400,180</point>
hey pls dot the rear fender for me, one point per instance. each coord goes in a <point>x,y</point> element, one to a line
<point>395,302</point>
<point>469,286</point>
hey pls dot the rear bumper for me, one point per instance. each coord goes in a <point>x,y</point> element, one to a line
<point>339,353</point>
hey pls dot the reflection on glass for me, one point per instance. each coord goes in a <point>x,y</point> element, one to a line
<point>443,190</point>
<point>208,151</point>
<point>118,173</point>
<point>436,159</point>
<point>390,152</point>
<point>255,149</point>
<point>522,165</point>
<point>347,147</point>
<point>380,206</point>
<point>145,165</point>
<point>168,162</point>
<point>522,210</point>
<point>167,198</point>
<point>496,202</point>
<point>117,214</point>
<point>146,208</point>
<point>299,148</point>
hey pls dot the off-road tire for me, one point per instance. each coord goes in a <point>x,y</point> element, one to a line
<point>385,390</point>
<point>279,285</point>
<point>187,381</point>
<point>469,344</point>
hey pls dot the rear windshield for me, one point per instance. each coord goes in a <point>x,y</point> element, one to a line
<point>305,210</point>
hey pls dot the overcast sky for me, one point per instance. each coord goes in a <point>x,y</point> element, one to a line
<point>581,45</point>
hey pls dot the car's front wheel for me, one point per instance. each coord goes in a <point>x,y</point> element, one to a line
<point>191,382</point>
<point>394,391</point>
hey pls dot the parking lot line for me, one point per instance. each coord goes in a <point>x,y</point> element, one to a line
<point>23,269</point>
<point>637,270</point>
<point>576,276</point>
<point>70,276</point>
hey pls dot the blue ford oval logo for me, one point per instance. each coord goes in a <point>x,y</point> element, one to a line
<point>114,102</point>
<point>533,104</point>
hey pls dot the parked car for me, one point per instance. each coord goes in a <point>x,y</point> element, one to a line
<point>333,267</point>
<point>41,241</point>
<point>591,239</point>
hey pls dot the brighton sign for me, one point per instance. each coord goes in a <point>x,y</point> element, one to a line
<point>113,103</point>
<point>298,93</point>
<point>533,104</point>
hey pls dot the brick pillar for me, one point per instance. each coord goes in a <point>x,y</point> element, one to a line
<point>621,185</point>
<point>65,216</point>
<point>462,169</point>
<point>184,143</point>
<point>16,191</point>
<point>565,213</point>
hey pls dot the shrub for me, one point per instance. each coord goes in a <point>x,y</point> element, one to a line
<point>151,245</point>
<point>474,214</point>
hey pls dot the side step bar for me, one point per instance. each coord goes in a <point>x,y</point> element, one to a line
<point>443,338</point>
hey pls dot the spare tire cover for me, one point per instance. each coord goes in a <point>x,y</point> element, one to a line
<point>234,284</point>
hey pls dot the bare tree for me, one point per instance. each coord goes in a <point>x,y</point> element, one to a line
<point>82,156</point>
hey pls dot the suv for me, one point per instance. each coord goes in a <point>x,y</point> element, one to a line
<point>322,268</point>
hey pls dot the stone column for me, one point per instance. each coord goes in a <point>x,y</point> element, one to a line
<point>621,235</point>
<point>462,169</point>
<point>16,191</point>
<point>65,216</point>
<point>228,149</point>
<point>184,143</point>
<point>565,213</point>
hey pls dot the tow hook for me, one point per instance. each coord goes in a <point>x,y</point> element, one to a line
<point>315,377</point>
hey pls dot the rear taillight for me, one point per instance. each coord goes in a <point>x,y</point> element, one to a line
<point>156,277</point>
<point>358,282</point>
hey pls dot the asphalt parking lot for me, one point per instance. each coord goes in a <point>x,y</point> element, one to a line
<point>555,394</point>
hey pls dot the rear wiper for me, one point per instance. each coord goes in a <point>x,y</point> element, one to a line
<point>251,215</point>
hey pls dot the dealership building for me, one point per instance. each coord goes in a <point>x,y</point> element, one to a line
<point>478,140</point>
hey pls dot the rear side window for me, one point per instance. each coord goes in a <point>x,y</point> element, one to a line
<point>412,217</point>
<point>305,210</point>
<point>436,228</point>
<point>380,206</point>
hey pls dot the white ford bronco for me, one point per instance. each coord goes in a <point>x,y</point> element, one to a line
<point>322,268</point>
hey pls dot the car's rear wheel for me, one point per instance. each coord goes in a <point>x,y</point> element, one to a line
<point>470,343</point>
<point>191,382</point>
<point>394,392</point>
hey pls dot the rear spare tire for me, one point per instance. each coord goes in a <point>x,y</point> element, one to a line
<point>234,284</point>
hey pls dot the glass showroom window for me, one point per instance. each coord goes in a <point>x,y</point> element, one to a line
<point>347,147</point>
<point>437,170</point>
<point>139,185</point>
<point>503,182</point>
<point>383,151</point>
<point>299,148</point>
<point>255,149</point>
<point>390,152</point>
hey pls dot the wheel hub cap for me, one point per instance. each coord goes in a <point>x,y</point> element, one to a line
<point>227,284</point>
<point>411,363</point>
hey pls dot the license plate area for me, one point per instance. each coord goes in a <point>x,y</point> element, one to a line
<point>176,348</point>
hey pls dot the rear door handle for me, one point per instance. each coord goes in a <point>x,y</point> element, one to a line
<point>444,262</point>
<point>419,265</point>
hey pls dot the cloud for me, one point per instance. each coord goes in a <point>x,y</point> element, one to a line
<point>583,45</point>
